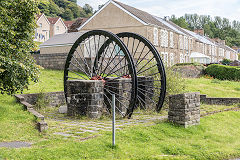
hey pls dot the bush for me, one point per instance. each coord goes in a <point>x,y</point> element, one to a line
<point>226,61</point>
<point>223,72</point>
<point>188,64</point>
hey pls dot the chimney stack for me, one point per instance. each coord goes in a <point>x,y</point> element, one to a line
<point>199,31</point>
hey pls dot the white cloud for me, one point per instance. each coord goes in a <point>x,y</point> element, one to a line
<point>224,8</point>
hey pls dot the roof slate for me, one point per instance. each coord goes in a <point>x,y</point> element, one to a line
<point>142,15</point>
<point>62,39</point>
<point>53,20</point>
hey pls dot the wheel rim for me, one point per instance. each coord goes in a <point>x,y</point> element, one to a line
<point>95,55</point>
<point>148,63</point>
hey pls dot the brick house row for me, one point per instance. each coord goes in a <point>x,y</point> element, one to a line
<point>175,44</point>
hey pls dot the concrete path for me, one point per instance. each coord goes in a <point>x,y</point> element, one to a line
<point>15,144</point>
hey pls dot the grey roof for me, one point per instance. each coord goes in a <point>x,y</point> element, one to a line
<point>199,37</point>
<point>62,39</point>
<point>142,15</point>
<point>169,25</point>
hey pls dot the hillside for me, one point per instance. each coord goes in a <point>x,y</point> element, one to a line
<point>67,9</point>
<point>216,27</point>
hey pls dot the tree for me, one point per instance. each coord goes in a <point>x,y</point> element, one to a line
<point>180,22</point>
<point>75,10</point>
<point>75,1</point>
<point>67,14</point>
<point>88,9</point>
<point>17,25</point>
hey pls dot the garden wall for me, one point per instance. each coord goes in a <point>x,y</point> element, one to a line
<point>219,101</point>
<point>189,71</point>
<point>54,98</point>
<point>51,61</point>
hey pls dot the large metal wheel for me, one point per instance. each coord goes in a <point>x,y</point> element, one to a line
<point>100,55</point>
<point>150,71</point>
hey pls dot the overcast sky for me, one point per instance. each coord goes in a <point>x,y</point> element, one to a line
<point>225,8</point>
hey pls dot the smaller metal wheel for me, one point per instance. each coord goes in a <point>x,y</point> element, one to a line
<point>150,71</point>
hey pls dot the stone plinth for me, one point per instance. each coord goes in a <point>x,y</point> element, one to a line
<point>145,92</point>
<point>184,109</point>
<point>122,89</point>
<point>85,97</point>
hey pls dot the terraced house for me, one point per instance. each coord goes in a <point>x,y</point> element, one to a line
<point>175,44</point>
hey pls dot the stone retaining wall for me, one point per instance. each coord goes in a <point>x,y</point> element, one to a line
<point>219,101</point>
<point>184,109</point>
<point>51,61</point>
<point>189,71</point>
<point>41,125</point>
<point>54,98</point>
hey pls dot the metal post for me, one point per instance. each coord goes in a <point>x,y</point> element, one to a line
<point>113,119</point>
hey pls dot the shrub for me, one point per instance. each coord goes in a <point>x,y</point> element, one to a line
<point>226,61</point>
<point>223,72</point>
<point>188,64</point>
<point>42,101</point>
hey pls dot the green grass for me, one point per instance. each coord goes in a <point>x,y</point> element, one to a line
<point>51,81</point>
<point>213,87</point>
<point>15,123</point>
<point>217,137</point>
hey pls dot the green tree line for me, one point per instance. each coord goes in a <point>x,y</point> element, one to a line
<point>214,27</point>
<point>67,9</point>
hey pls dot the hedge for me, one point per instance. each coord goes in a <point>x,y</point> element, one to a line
<point>223,72</point>
<point>188,64</point>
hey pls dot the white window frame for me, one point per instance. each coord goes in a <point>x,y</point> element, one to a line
<point>166,38</point>
<point>181,58</point>
<point>171,40</point>
<point>155,36</point>
<point>57,28</point>
<point>171,59</point>
<point>164,56</point>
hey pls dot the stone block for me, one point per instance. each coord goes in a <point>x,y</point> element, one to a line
<point>85,97</point>
<point>62,109</point>
<point>184,109</point>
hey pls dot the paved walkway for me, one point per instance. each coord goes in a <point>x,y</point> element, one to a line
<point>15,144</point>
<point>59,125</point>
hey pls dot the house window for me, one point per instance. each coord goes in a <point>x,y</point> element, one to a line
<point>181,58</point>
<point>164,38</point>
<point>171,59</point>
<point>181,41</point>
<point>209,50</point>
<point>228,55</point>
<point>118,51</point>
<point>155,36</point>
<point>164,56</point>
<point>171,40</point>
<point>40,25</point>
<point>185,43</point>
<point>57,28</point>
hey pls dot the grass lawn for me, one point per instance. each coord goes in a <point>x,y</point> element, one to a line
<point>213,87</point>
<point>52,81</point>
<point>217,137</point>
